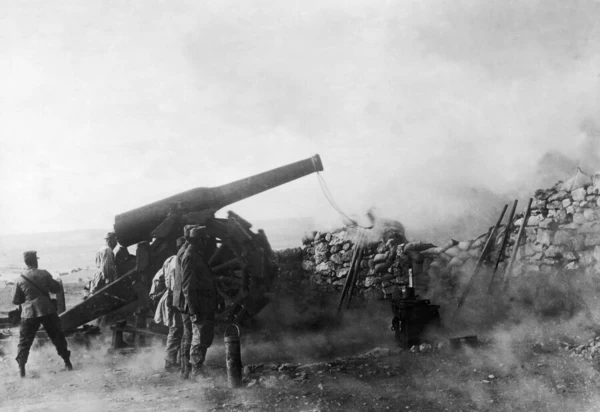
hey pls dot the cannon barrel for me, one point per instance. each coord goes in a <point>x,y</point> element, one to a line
<point>137,225</point>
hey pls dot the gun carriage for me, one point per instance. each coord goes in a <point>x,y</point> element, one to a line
<point>241,259</point>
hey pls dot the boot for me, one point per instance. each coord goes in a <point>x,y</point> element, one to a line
<point>198,370</point>
<point>68,365</point>
<point>171,366</point>
<point>22,370</point>
<point>199,373</point>
<point>197,360</point>
<point>67,359</point>
<point>185,371</point>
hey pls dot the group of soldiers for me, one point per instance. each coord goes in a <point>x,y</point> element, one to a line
<point>187,302</point>
<point>183,288</point>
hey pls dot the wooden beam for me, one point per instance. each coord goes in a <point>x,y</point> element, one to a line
<point>357,246</point>
<point>504,243</point>
<point>480,261</point>
<point>520,236</point>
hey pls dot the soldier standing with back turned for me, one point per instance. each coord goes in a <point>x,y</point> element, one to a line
<point>179,305</point>
<point>165,312</point>
<point>32,291</point>
<point>200,298</point>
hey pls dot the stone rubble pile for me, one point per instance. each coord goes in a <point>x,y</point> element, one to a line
<point>286,374</point>
<point>589,350</point>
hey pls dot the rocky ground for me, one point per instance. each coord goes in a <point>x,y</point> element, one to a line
<point>299,356</point>
<point>536,376</point>
<point>349,364</point>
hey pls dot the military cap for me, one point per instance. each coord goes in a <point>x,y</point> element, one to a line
<point>30,254</point>
<point>111,235</point>
<point>198,231</point>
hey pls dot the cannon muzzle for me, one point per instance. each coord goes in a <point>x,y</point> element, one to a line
<point>137,225</point>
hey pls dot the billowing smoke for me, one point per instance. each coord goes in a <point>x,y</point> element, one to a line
<point>556,165</point>
<point>429,110</point>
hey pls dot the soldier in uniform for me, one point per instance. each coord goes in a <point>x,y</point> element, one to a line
<point>105,262</point>
<point>124,261</point>
<point>32,291</point>
<point>162,287</point>
<point>200,298</point>
<point>179,305</point>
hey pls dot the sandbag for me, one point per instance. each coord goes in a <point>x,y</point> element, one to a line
<point>431,252</point>
<point>381,257</point>
<point>465,244</point>
<point>453,251</point>
<point>448,245</point>
<point>417,246</point>
<point>456,261</point>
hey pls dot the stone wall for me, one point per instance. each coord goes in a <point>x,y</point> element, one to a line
<point>328,256</point>
<point>562,236</point>
<point>564,231</point>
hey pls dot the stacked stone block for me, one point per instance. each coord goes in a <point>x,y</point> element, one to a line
<point>562,235</point>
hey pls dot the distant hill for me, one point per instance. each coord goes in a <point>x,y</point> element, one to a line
<point>64,252</point>
<point>285,233</point>
<point>58,251</point>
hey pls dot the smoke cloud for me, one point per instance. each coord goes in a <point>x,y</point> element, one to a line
<point>431,111</point>
<point>457,102</point>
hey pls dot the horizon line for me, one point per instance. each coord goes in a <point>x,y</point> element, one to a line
<point>49,232</point>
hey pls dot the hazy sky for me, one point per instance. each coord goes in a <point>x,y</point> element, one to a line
<point>412,105</point>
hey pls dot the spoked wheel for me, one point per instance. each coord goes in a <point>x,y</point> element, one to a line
<point>243,264</point>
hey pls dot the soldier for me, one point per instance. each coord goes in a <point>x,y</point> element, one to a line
<point>124,261</point>
<point>200,299</point>
<point>179,305</point>
<point>165,312</point>
<point>32,291</point>
<point>105,262</point>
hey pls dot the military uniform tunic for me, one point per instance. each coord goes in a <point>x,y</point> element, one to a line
<point>33,302</point>
<point>200,304</point>
<point>38,310</point>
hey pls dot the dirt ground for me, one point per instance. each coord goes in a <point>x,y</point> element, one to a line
<point>352,364</point>
<point>533,376</point>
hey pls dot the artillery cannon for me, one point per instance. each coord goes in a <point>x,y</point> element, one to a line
<point>242,259</point>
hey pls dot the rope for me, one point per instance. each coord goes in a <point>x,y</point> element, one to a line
<point>329,197</point>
